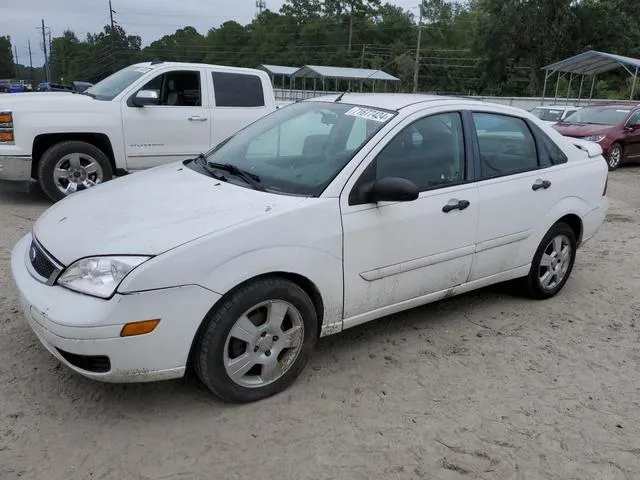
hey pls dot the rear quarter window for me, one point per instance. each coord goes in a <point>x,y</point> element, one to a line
<point>237,90</point>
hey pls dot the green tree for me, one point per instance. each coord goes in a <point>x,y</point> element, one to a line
<point>7,67</point>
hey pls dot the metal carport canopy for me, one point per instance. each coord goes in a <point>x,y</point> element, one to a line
<point>590,63</point>
<point>279,70</point>
<point>343,73</point>
<point>593,62</point>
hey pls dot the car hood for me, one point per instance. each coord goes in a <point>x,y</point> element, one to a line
<point>582,129</point>
<point>148,213</point>
<point>45,101</point>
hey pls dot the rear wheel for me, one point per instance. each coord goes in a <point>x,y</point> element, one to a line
<point>72,166</point>
<point>257,341</point>
<point>552,263</point>
<point>614,159</point>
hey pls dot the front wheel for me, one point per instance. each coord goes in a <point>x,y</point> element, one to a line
<point>71,166</point>
<point>257,341</point>
<point>552,263</point>
<point>614,159</point>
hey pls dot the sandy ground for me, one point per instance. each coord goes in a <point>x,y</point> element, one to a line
<point>484,386</point>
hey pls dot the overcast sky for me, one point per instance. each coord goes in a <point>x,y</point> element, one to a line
<point>151,19</point>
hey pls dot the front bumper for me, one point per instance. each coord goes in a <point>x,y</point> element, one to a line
<point>15,168</point>
<point>76,328</point>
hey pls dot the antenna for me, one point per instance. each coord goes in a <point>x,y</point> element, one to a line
<point>261,5</point>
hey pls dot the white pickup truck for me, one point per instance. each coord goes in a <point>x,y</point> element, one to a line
<point>142,116</point>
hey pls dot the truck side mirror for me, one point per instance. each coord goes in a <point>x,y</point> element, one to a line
<point>146,97</point>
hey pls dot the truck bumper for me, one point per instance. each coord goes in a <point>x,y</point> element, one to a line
<point>15,168</point>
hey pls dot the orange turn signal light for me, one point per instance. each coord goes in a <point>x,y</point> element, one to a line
<point>139,328</point>
<point>6,117</point>
<point>6,136</point>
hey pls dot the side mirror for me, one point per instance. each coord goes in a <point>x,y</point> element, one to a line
<point>146,97</point>
<point>392,189</point>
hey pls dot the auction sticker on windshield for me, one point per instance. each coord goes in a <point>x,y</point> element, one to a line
<point>370,114</point>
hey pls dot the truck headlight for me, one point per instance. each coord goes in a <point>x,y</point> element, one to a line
<point>99,276</point>
<point>594,138</point>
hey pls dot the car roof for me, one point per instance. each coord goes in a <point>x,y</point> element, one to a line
<point>160,64</point>
<point>558,107</point>
<point>389,101</point>
<point>626,106</point>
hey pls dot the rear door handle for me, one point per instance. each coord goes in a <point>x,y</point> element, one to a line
<point>541,184</point>
<point>197,118</point>
<point>455,204</point>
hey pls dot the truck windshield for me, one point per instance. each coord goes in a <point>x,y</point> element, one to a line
<point>114,84</point>
<point>298,149</point>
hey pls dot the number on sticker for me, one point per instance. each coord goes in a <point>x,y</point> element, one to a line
<point>370,114</point>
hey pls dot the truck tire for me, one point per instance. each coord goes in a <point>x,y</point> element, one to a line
<point>71,166</point>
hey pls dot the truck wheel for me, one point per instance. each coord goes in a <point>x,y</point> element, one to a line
<point>257,341</point>
<point>71,166</point>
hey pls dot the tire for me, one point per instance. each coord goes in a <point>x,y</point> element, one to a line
<point>84,163</point>
<point>533,283</point>
<point>220,350</point>
<point>614,158</point>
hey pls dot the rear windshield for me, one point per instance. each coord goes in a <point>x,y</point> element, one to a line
<point>548,114</point>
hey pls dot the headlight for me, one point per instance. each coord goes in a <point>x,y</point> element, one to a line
<point>594,138</point>
<point>99,276</point>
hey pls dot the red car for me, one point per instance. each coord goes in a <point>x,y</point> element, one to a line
<point>615,127</point>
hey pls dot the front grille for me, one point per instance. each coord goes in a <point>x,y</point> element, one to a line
<point>40,261</point>
<point>90,363</point>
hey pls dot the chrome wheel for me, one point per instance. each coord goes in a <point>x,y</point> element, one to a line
<point>615,156</point>
<point>263,344</point>
<point>555,262</point>
<point>76,171</point>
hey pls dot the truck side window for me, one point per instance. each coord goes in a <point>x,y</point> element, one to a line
<point>177,89</point>
<point>237,90</point>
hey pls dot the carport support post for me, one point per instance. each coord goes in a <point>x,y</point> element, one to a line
<point>555,97</point>
<point>633,85</point>
<point>569,89</point>
<point>544,88</point>
<point>593,85</point>
<point>580,91</point>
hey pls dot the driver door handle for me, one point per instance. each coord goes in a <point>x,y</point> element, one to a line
<point>197,118</point>
<point>541,184</point>
<point>455,204</point>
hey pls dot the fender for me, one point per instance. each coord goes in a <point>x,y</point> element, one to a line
<point>567,206</point>
<point>319,267</point>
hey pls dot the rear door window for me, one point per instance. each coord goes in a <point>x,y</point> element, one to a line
<point>237,90</point>
<point>506,145</point>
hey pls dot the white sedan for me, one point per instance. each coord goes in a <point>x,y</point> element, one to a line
<point>324,215</point>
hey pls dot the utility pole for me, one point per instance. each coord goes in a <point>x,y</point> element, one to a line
<point>15,55</point>
<point>350,26</point>
<point>111,12</point>
<point>416,68</point>
<point>261,6</point>
<point>44,47</point>
<point>30,62</point>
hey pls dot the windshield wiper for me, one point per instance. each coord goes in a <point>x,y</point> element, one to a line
<point>250,178</point>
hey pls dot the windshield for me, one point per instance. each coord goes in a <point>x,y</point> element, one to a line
<point>300,148</point>
<point>548,114</point>
<point>114,84</point>
<point>599,115</point>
